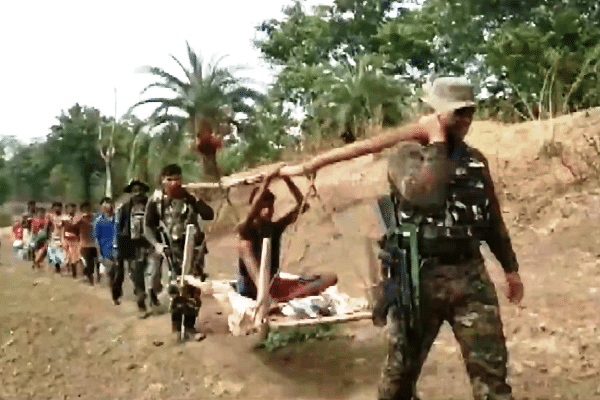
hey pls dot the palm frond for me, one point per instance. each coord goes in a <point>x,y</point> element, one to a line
<point>163,85</point>
<point>177,120</point>
<point>186,71</point>
<point>165,105</point>
<point>148,101</point>
<point>169,78</point>
<point>195,61</point>
<point>246,93</point>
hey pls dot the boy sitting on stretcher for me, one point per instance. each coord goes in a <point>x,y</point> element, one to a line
<point>259,224</point>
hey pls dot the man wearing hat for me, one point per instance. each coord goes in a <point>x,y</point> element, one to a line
<point>131,245</point>
<point>443,187</point>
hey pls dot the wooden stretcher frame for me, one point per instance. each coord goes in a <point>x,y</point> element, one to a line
<point>309,169</point>
<point>260,315</point>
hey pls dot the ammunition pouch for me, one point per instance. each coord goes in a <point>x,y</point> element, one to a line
<point>450,242</point>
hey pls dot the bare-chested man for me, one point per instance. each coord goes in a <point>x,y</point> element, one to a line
<point>87,244</point>
<point>258,225</point>
<point>70,239</point>
<point>55,254</point>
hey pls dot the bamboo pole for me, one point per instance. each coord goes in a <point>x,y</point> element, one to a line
<point>372,145</point>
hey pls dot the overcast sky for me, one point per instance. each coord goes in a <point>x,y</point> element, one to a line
<point>57,53</point>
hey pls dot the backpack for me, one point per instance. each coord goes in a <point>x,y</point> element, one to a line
<point>136,220</point>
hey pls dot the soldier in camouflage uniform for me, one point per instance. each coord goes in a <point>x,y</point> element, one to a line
<point>443,187</point>
<point>168,212</point>
<point>446,189</point>
<point>130,243</point>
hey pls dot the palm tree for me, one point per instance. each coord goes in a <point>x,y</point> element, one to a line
<point>208,92</point>
<point>353,98</point>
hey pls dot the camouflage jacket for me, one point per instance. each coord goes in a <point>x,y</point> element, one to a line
<point>422,178</point>
<point>174,215</point>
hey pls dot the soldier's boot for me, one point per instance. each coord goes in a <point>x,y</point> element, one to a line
<point>88,272</point>
<point>141,302</point>
<point>184,313</point>
<point>115,292</point>
<point>176,309</point>
<point>154,299</point>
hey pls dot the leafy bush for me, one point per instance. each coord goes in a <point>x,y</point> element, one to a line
<point>282,338</point>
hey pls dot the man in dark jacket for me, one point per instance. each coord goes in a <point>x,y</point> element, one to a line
<point>131,246</point>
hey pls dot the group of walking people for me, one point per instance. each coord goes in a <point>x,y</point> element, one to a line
<point>68,239</point>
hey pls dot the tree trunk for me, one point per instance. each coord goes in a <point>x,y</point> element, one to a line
<point>210,168</point>
<point>109,189</point>
<point>109,154</point>
<point>86,177</point>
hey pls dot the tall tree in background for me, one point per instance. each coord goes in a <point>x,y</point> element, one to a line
<point>513,48</point>
<point>74,141</point>
<point>208,91</point>
<point>552,63</point>
<point>106,144</point>
<point>356,97</point>
<point>28,170</point>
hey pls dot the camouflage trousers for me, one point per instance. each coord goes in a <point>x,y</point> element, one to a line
<point>464,295</point>
<point>138,270</point>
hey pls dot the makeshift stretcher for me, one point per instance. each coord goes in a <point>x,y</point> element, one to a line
<point>250,316</point>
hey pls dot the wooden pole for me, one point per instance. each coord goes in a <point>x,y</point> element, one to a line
<point>368,146</point>
<point>188,255</point>
<point>264,279</point>
<point>188,250</point>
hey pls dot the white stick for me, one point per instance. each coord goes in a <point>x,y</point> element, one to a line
<point>188,250</point>
<point>263,282</point>
<point>188,255</point>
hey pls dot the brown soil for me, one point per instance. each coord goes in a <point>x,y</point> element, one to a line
<point>61,338</point>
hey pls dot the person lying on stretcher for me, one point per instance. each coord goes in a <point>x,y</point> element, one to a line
<point>258,225</point>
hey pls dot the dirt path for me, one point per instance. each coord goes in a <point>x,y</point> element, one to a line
<point>63,339</point>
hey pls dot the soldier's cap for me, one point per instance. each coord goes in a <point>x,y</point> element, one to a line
<point>450,93</point>
<point>136,182</point>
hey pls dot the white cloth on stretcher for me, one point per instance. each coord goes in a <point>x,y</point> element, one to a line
<point>329,303</point>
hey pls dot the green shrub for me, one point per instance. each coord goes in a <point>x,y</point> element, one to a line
<point>285,337</point>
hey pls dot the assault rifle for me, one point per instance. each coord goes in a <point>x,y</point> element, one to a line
<point>400,263</point>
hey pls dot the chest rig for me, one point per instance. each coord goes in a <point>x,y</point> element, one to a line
<point>176,214</point>
<point>464,219</point>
